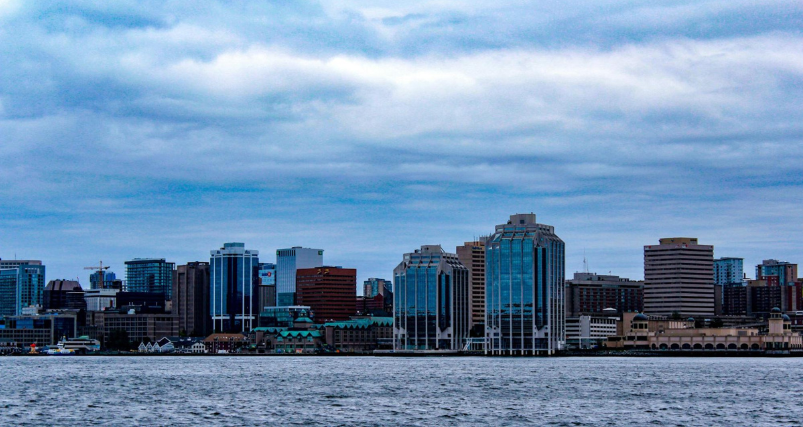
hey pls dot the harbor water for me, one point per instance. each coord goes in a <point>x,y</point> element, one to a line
<point>367,391</point>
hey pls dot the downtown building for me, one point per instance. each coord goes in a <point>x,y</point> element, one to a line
<point>287,262</point>
<point>431,307</point>
<point>591,293</point>
<point>22,284</point>
<point>266,285</point>
<point>151,275</point>
<point>679,278</point>
<point>472,255</point>
<point>191,298</point>
<point>233,281</point>
<point>330,292</point>
<point>525,309</point>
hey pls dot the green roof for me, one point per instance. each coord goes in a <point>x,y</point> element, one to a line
<point>303,320</point>
<point>303,334</point>
<point>271,329</point>
<point>361,323</point>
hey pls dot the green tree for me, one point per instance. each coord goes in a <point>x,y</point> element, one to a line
<point>118,340</point>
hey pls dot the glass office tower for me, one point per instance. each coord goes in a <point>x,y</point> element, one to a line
<point>234,280</point>
<point>107,282</point>
<point>287,262</point>
<point>524,287</point>
<point>152,275</point>
<point>431,307</point>
<point>21,286</point>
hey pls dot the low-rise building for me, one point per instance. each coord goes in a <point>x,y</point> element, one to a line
<point>590,331</point>
<point>637,331</point>
<point>359,335</point>
<point>224,343</point>
<point>40,329</point>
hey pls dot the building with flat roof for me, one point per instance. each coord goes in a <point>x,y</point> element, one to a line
<point>330,292</point>
<point>679,278</point>
<point>233,281</point>
<point>22,284</point>
<point>41,329</point>
<point>728,270</point>
<point>191,298</point>
<point>785,272</point>
<point>287,262</point>
<point>591,293</point>
<point>151,275</point>
<point>431,307</point>
<point>266,287</point>
<point>525,283</point>
<point>472,255</point>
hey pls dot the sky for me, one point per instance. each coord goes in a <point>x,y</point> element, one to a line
<point>165,129</point>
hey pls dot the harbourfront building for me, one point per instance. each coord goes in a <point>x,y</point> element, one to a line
<point>330,292</point>
<point>191,298</point>
<point>233,281</point>
<point>591,293</point>
<point>287,262</point>
<point>525,307</point>
<point>590,331</point>
<point>679,278</point>
<point>22,284</point>
<point>431,307</point>
<point>152,275</point>
<point>472,255</point>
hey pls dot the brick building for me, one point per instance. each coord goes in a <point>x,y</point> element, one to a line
<point>330,292</point>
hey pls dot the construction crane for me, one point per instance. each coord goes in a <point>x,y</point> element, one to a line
<point>101,276</point>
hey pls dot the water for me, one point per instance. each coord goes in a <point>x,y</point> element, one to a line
<point>399,391</point>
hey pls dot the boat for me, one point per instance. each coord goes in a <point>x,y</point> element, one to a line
<point>60,351</point>
<point>82,344</point>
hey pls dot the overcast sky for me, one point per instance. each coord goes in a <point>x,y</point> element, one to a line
<point>164,129</point>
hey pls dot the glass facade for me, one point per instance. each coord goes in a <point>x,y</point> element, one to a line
<point>20,287</point>
<point>288,261</point>
<point>152,275</point>
<point>108,280</point>
<point>525,272</point>
<point>373,287</point>
<point>431,308</point>
<point>234,279</point>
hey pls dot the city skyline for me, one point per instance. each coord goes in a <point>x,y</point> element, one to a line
<point>153,130</point>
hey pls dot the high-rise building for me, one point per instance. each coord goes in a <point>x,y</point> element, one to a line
<point>679,278</point>
<point>22,284</point>
<point>287,262</point>
<point>55,295</point>
<point>728,270</point>
<point>234,279</point>
<point>525,306</point>
<point>374,286</point>
<point>191,298</point>
<point>591,293</point>
<point>431,307</point>
<point>785,272</point>
<point>151,275</point>
<point>472,255</point>
<point>108,280</point>
<point>266,294</point>
<point>330,292</point>
<point>734,299</point>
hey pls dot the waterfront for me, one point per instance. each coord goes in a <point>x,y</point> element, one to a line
<point>399,391</point>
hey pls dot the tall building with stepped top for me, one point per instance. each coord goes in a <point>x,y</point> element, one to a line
<point>679,278</point>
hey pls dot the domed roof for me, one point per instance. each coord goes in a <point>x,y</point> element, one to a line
<point>786,318</point>
<point>775,310</point>
<point>63,285</point>
<point>690,319</point>
<point>641,316</point>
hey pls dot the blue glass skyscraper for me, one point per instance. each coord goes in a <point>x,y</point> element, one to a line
<point>234,280</point>
<point>22,284</point>
<point>152,275</point>
<point>288,261</point>
<point>431,307</point>
<point>525,312</point>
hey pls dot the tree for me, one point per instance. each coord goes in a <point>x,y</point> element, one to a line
<point>118,340</point>
<point>716,323</point>
<point>675,315</point>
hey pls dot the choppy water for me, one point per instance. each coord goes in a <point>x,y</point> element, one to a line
<point>399,391</point>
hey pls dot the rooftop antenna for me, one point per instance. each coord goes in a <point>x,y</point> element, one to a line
<point>585,261</point>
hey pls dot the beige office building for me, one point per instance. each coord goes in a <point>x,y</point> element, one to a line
<point>472,255</point>
<point>679,277</point>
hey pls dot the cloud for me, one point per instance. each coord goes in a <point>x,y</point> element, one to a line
<point>138,130</point>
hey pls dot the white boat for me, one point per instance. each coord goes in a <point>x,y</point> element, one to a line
<point>82,343</point>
